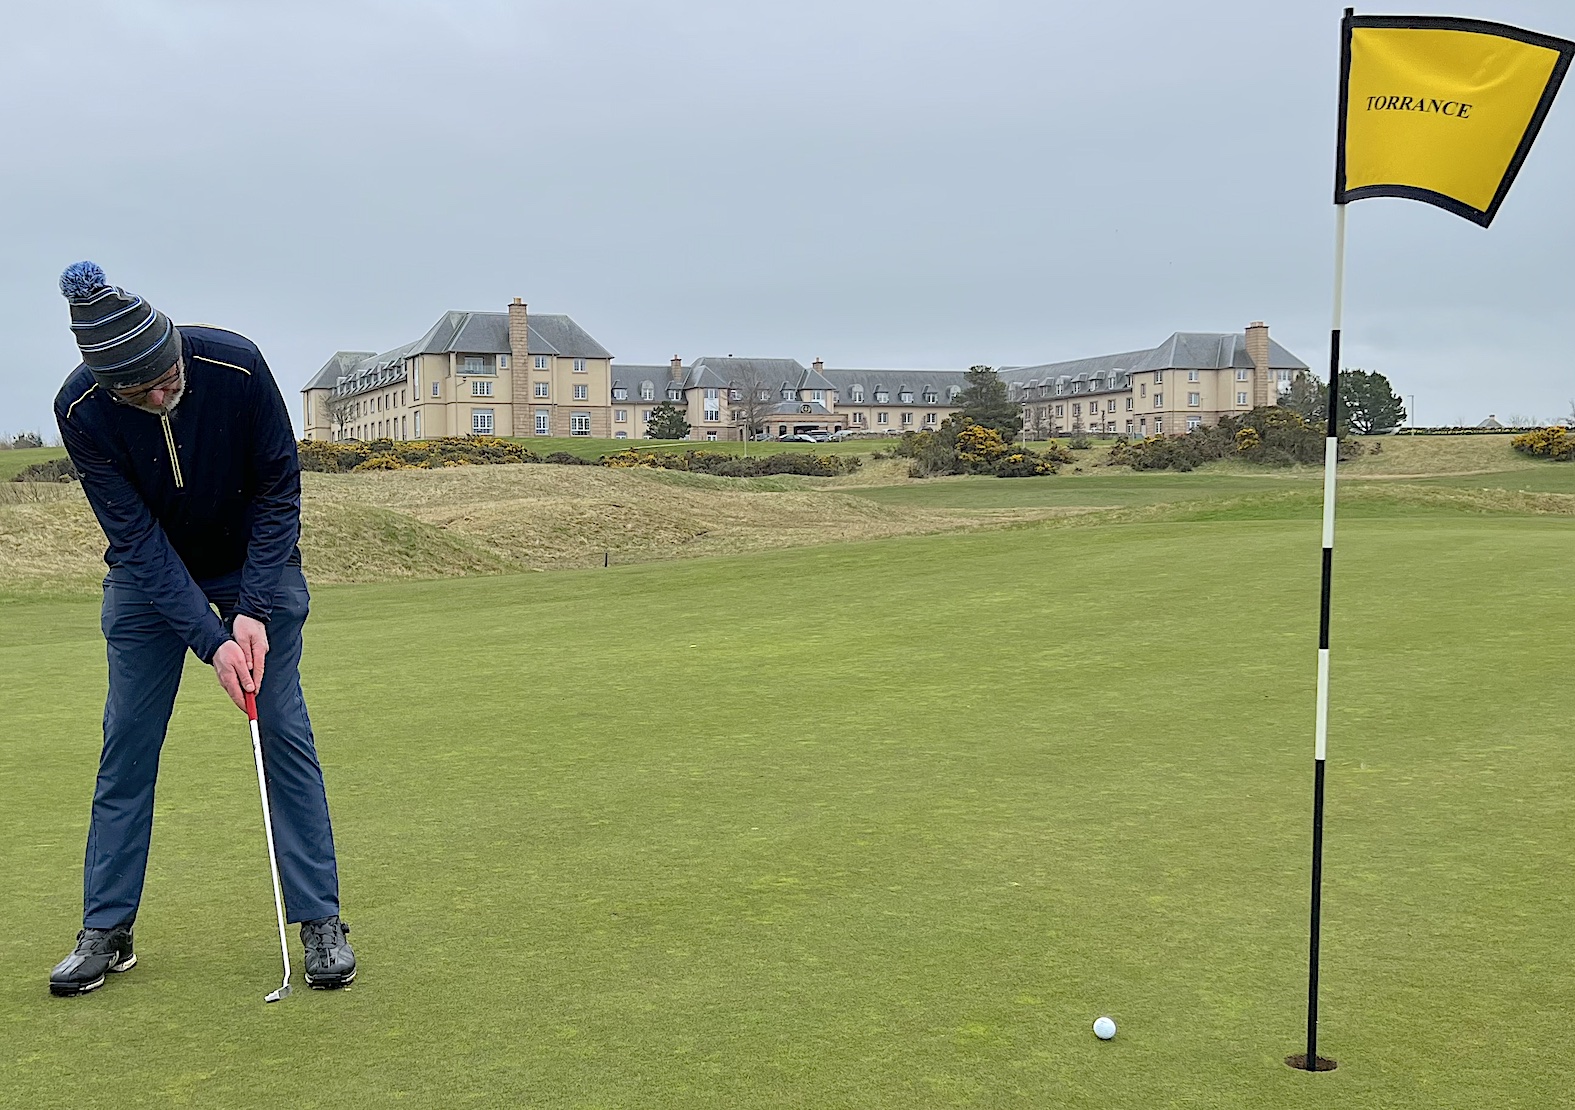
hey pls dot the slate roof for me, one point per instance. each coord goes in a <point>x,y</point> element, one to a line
<point>1184,350</point>
<point>476,333</point>
<point>894,382</point>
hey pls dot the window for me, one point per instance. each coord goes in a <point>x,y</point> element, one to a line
<point>907,418</point>
<point>713,395</point>
<point>620,435</point>
<point>1194,399</point>
<point>620,393</point>
<point>1129,429</point>
<point>579,366</point>
<point>1129,404</point>
<point>620,416</point>
<point>1159,377</point>
<point>1241,375</point>
<point>858,418</point>
<point>1241,398</point>
<point>881,397</point>
<point>481,422</point>
<point>418,423</point>
<point>956,391</point>
<point>856,395</point>
<point>711,436</point>
<point>906,396</point>
<point>580,424</point>
<point>675,393</point>
<point>541,362</point>
<point>645,416</point>
<point>404,427</point>
<point>929,418</point>
<point>481,389</point>
<point>434,389</point>
<point>540,390</point>
<point>1077,408</point>
<point>542,424</point>
<point>647,391</point>
<point>1060,410</point>
<point>474,364</point>
<point>1142,390</point>
<point>1192,375</point>
<point>1077,387</point>
<point>503,362</point>
<point>1159,400</point>
<point>1060,388</point>
<point>817,395</point>
<point>1110,405</point>
<point>930,396</point>
<point>881,418</point>
<point>1194,422</point>
<point>582,392</point>
<point>1159,425</point>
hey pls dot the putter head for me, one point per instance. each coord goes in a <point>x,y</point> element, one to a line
<point>282,992</point>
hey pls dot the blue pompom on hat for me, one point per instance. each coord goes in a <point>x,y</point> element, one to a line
<point>124,340</point>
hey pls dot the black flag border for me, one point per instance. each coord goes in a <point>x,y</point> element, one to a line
<point>1480,217</point>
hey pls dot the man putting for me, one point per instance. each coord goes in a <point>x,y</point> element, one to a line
<point>187,456</point>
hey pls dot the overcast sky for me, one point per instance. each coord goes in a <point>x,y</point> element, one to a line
<point>878,183</point>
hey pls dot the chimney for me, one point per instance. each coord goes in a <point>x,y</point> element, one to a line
<point>1264,390</point>
<point>675,371</point>
<point>819,366</point>
<point>519,336</point>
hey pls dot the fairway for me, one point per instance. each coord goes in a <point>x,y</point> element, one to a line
<point>876,824</point>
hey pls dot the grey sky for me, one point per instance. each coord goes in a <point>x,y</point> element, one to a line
<point>872,182</point>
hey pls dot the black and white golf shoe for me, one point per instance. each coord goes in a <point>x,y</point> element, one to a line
<point>329,961</point>
<point>98,952</point>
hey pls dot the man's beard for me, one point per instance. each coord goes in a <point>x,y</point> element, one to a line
<point>170,401</point>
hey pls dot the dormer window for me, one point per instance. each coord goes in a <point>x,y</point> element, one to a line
<point>930,396</point>
<point>906,396</point>
<point>620,393</point>
<point>856,395</point>
<point>675,393</point>
<point>647,391</point>
<point>881,396</point>
<point>954,393</point>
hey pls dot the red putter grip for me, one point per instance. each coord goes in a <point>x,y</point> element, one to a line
<point>251,706</point>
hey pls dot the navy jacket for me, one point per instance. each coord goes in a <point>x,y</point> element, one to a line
<point>210,489</point>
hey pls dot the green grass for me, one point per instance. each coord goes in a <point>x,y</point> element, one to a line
<point>881,824</point>
<point>12,461</point>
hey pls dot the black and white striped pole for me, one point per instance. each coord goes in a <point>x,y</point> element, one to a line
<point>1331,457</point>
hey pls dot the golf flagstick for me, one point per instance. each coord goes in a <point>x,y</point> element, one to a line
<point>273,863</point>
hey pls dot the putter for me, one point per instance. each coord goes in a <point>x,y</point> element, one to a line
<point>273,863</point>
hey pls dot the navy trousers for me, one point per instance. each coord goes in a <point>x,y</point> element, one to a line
<point>145,661</point>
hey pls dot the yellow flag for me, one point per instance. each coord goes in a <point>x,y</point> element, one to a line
<point>1441,110</point>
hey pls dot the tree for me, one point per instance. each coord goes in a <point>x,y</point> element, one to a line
<point>667,422</point>
<point>28,439</point>
<point>985,402</point>
<point>337,410</point>
<point>751,396</point>
<point>1572,412</point>
<point>1308,398</point>
<point>1367,403</point>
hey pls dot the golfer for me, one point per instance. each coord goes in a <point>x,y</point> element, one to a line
<point>187,456</point>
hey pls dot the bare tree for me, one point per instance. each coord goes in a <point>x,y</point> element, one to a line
<point>337,410</point>
<point>751,397</point>
<point>1572,412</point>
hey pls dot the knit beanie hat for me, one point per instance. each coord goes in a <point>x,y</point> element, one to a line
<point>125,341</point>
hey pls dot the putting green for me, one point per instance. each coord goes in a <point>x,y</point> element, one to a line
<point>885,824</point>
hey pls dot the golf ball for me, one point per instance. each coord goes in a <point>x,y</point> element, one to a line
<point>1104,1028</point>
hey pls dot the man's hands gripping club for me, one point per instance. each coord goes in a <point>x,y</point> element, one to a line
<point>239,662</point>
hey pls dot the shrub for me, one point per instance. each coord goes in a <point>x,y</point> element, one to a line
<point>1080,442</point>
<point>724,465</point>
<point>563,458</point>
<point>382,462</point>
<point>1546,443</point>
<point>338,458</point>
<point>1270,436</point>
<point>55,470</point>
<point>1022,464</point>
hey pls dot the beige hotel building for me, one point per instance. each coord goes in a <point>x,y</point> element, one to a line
<point>514,374</point>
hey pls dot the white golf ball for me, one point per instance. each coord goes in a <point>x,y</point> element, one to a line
<point>1104,1028</point>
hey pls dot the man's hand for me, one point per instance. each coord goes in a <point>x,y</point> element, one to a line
<point>239,662</point>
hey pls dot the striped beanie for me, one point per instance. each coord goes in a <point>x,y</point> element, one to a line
<point>125,341</point>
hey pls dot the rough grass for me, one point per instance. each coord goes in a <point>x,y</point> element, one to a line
<point>12,461</point>
<point>494,519</point>
<point>868,825</point>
